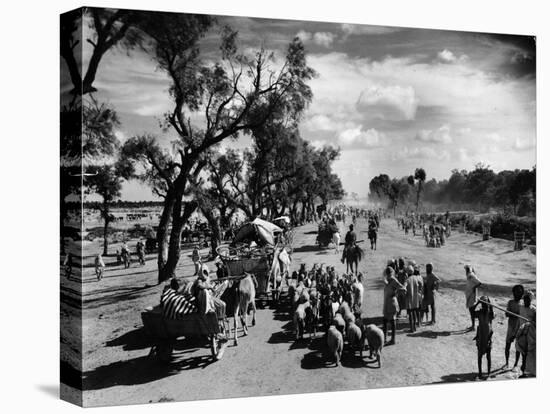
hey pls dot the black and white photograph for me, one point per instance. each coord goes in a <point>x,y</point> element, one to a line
<point>259,206</point>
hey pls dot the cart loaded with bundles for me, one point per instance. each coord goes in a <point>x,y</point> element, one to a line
<point>252,251</point>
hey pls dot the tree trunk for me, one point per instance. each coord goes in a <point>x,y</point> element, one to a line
<point>163,234</point>
<point>214,223</point>
<point>174,245</point>
<point>106,220</point>
<point>174,249</point>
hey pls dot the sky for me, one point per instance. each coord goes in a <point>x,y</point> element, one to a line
<point>393,99</point>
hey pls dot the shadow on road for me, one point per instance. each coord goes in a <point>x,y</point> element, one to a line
<point>306,249</point>
<point>132,340</point>
<point>140,370</point>
<point>467,376</point>
<point>281,337</point>
<point>437,334</point>
<point>126,295</point>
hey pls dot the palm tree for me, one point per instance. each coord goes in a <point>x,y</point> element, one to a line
<point>420,177</point>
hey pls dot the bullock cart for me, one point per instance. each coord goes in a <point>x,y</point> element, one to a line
<point>324,235</point>
<point>166,332</point>
<point>242,259</point>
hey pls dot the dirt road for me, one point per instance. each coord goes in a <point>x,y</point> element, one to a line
<point>117,369</point>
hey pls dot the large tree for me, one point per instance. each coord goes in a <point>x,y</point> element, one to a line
<point>232,95</point>
<point>395,190</point>
<point>107,28</point>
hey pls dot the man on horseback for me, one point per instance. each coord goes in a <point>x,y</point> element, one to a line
<point>349,241</point>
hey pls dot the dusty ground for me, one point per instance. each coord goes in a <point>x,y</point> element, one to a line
<point>117,369</point>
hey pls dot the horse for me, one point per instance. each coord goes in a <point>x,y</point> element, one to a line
<point>353,255</point>
<point>373,235</point>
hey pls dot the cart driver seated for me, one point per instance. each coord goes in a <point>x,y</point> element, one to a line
<point>202,289</point>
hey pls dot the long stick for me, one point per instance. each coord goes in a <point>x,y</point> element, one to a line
<point>505,310</point>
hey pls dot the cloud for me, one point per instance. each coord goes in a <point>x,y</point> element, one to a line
<point>359,138</point>
<point>522,144</point>
<point>304,36</point>
<point>440,135</point>
<point>429,153</point>
<point>392,102</point>
<point>446,56</point>
<point>120,135</point>
<point>319,122</point>
<point>336,121</point>
<point>464,154</point>
<point>494,136</point>
<point>363,29</point>
<point>324,38</point>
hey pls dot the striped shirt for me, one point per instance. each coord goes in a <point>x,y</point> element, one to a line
<point>175,305</point>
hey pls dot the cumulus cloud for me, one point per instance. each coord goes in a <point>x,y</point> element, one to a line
<point>319,122</point>
<point>364,29</point>
<point>494,137</point>
<point>324,38</point>
<point>319,38</point>
<point>359,138</point>
<point>522,144</point>
<point>304,36</point>
<point>336,121</point>
<point>393,102</point>
<point>120,135</point>
<point>441,135</point>
<point>446,56</point>
<point>407,153</point>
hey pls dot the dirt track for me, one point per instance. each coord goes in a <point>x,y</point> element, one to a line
<point>117,369</point>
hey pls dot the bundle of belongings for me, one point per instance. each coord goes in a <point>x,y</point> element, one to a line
<point>176,304</point>
<point>200,296</point>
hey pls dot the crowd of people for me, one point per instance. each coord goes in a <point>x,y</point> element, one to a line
<point>320,296</point>
<point>435,230</point>
<point>406,289</point>
<point>521,329</point>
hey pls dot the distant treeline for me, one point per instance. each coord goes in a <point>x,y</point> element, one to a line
<point>481,189</point>
<point>116,204</point>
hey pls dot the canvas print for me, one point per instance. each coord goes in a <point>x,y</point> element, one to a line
<point>255,206</point>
